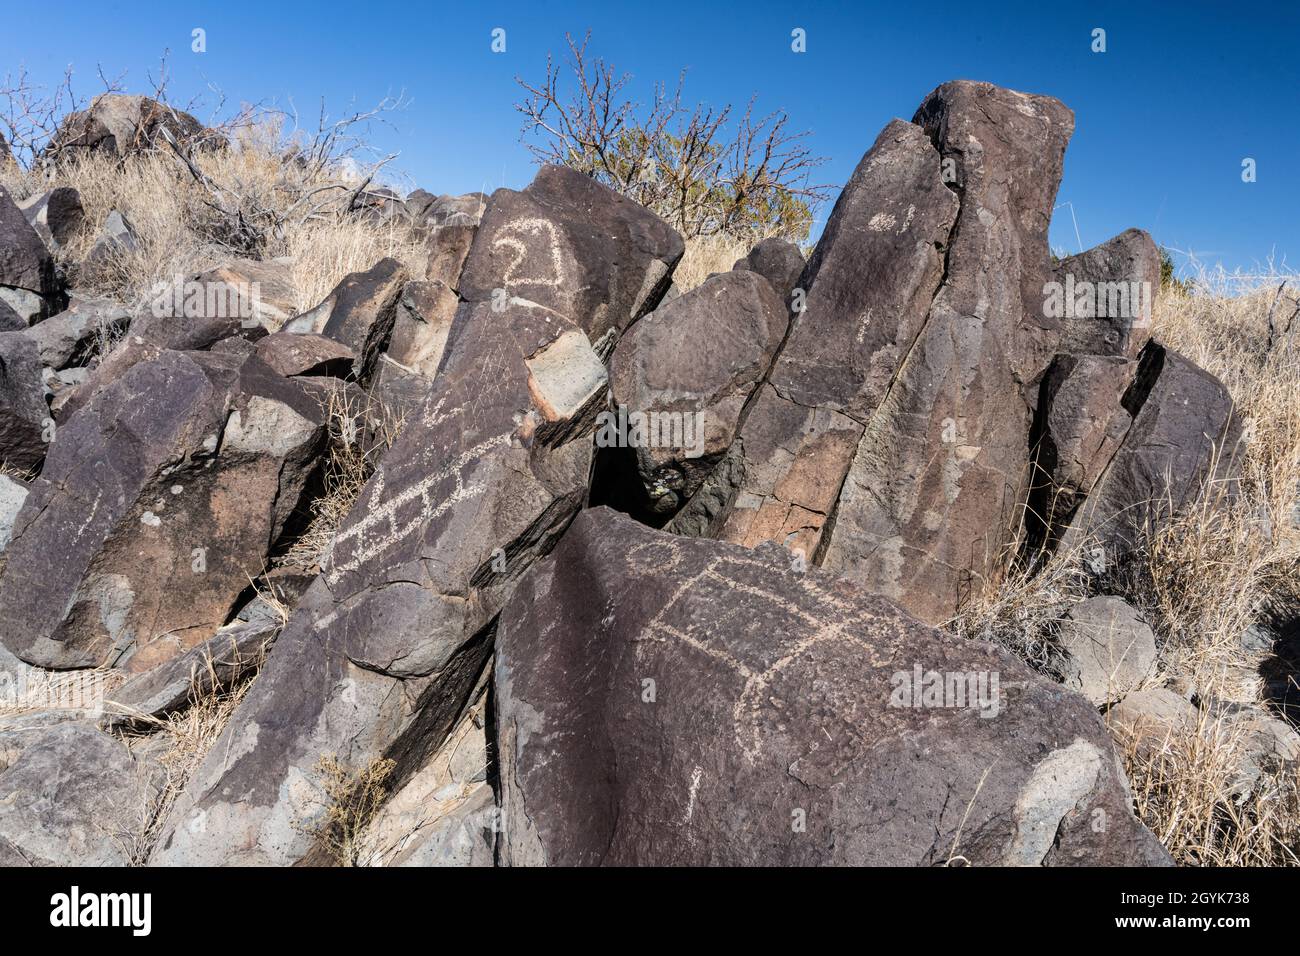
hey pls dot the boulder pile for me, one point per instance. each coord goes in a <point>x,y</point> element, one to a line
<point>642,579</point>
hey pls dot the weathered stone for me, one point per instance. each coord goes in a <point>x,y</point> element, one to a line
<point>1103,297</point>
<point>23,412</point>
<point>443,211</point>
<point>683,375</point>
<point>383,649</point>
<point>425,312</point>
<point>359,313</point>
<point>1149,719</point>
<point>779,261</point>
<point>448,248</point>
<point>117,238</point>
<point>158,503</point>
<point>233,652</point>
<point>12,495</point>
<point>1184,436</point>
<point>671,701</point>
<point>1080,423</point>
<point>27,276</point>
<point>927,512</point>
<point>577,247</point>
<point>69,338</point>
<point>75,797</point>
<point>258,292</point>
<point>399,390</point>
<point>56,214</point>
<point>1109,650</point>
<point>120,125</point>
<point>445,814</point>
<point>306,353</point>
<point>869,283</point>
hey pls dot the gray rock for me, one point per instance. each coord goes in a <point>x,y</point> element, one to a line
<point>568,243</point>
<point>70,337</point>
<point>23,411</point>
<point>779,261</point>
<point>56,214</point>
<point>75,797</point>
<point>673,701</point>
<point>121,125</point>
<point>1109,650</point>
<point>1149,719</point>
<point>425,312</point>
<point>12,495</point>
<point>686,372</point>
<point>159,502</point>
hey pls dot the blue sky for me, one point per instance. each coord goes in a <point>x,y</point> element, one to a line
<point>1164,118</point>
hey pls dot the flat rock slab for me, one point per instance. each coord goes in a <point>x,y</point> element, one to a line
<point>672,701</point>
<point>1109,649</point>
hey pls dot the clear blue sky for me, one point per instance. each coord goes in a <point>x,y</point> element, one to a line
<point>1164,117</point>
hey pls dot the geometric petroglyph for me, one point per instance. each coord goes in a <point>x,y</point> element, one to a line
<point>550,274</point>
<point>748,708</point>
<point>391,519</point>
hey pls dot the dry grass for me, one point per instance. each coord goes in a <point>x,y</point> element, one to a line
<point>352,800</point>
<point>709,254</point>
<point>1201,581</point>
<point>180,233</point>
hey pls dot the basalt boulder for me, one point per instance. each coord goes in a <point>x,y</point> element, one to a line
<point>1104,296</point>
<point>779,261</point>
<point>118,124</point>
<point>56,214</point>
<point>24,436</point>
<point>27,276</point>
<point>670,701</point>
<point>157,505</point>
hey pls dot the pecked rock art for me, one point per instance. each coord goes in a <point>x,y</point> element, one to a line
<point>672,701</point>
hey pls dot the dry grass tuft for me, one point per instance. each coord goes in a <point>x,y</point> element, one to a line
<point>352,800</point>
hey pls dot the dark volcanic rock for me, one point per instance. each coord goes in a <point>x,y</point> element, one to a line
<point>684,374</point>
<point>425,312</point>
<point>57,215</point>
<point>1103,297</point>
<point>27,276</point>
<point>672,701</point>
<point>119,124</point>
<point>575,246</point>
<point>158,503</point>
<point>384,648</point>
<point>448,248</point>
<point>779,261</point>
<point>23,412</point>
<point>359,313</point>
<point>67,339</point>
<point>306,353</point>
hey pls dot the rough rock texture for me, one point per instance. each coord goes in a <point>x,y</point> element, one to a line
<point>157,505</point>
<point>27,277</point>
<point>68,338</point>
<point>672,701</point>
<point>686,372</point>
<point>448,248</point>
<point>262,292</point>
<point>1109,649</point>
<point>383,648</point>
<point>117,238</point>
<point>120,125</point>
<point>1185,433</point>
<point>12,495</point>
<point>1111,287</point>
<point>425,312</point>
<point>575,246</point>
<point>56,214</point>
<point>74,797</point>
<point>359,313</point>
<point>23,412</point>
<point>1148,718</point>
<point>779,261</point>
<point>869,284</point>
<point>306,353</point>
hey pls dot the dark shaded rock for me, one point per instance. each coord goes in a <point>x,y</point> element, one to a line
<point>1184,437</point>
<point>683,375</point>
<point>1103,297</point>
<point>56,214</point>
<point>443,211</point>
<point>235,651</point>
<point>448,248</point>
<point>71,337</point>
<point>158,503</point>
<point>75,797</point>
<point>383,650</point>
<point>929,508</point>
<point>671,701</point>
<point>779,261</point>
<point>23,412</point>
<point>359,313</point>
<point>306,353</point>
<point>869,282</point>
<point>425,312</point>
<point>120,125</point>
<point>577,247</point>
<point>27,277</point>
<point>398,389</point>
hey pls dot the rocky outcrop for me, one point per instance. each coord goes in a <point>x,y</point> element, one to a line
<point>1109,650</point>
<point>117,124</point>
<point>56,214</point>
<point>1103,297</point>
<point>359,313</point>
<point>779,261</point>
<point>24,435</point>
<point>672,701</point>
<point>27,279</point>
